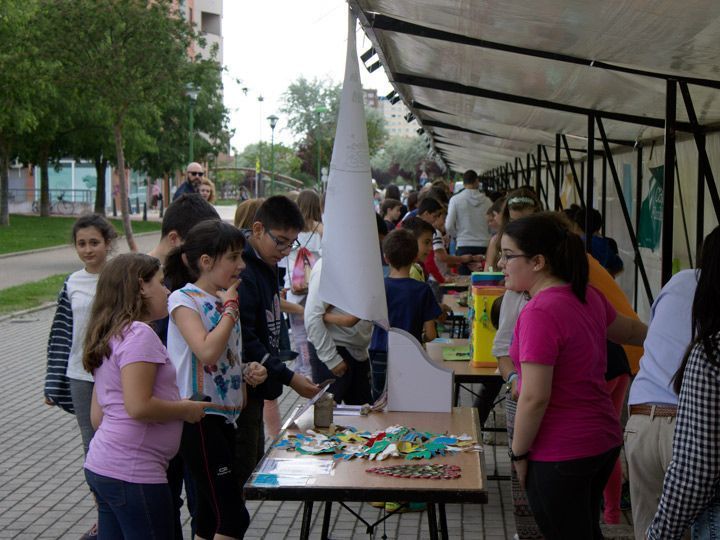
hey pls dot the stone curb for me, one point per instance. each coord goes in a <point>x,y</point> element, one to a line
<point>20,313</point>
<point>52,248</point>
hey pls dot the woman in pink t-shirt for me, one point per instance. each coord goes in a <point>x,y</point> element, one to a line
<point>136,407</point>
<point>567,436</point>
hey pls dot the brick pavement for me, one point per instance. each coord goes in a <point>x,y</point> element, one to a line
<point>43,493</point>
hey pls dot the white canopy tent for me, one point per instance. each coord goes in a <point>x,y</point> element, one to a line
<point>491,82</point>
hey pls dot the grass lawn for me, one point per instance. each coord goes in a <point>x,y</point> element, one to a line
<point>226,202</point>
<point>29,295</point>
<point>33,232</point>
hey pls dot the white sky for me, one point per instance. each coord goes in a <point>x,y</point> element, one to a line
<point>270,43</point>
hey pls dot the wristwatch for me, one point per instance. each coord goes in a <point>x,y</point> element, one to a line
<point>521,457</point>
<point>508,384</point>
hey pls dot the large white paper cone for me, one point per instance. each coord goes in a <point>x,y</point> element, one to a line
<point>351,277</point>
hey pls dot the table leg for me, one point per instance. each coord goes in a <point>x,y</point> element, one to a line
<point>432,521</point>
<point>456,396</point>
<point>326,521</point>
<point>443,521</point>
<point>306,520</point>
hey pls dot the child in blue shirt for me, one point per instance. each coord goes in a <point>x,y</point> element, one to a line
<point>411,304</point>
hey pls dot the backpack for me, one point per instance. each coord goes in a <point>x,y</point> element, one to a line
<point>300,277</point>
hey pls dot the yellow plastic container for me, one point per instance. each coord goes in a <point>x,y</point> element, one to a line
<point>482,332</point>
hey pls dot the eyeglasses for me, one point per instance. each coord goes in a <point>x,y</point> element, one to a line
<point>195,173</point>
<point>509,257</point>
<point>283,245</point>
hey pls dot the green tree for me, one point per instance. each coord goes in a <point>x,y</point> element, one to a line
<point>312,108</point>
<point>24,86</point>
<point>401,156</point>
<point>128,56</point>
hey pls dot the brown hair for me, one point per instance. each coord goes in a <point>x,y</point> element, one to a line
<point>245,212</point>
<point>309,203</point>
<point>400,248</point>
<point>117,303</point>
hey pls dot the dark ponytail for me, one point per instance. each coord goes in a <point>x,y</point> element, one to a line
<point>177,273</point>
<point>213,238</point>
<point>548,234</point>
<point>705,313</point>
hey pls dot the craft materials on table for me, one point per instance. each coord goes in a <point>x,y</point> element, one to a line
<point>456,353</point>
<point>431,471</point>
<point>395,441</point>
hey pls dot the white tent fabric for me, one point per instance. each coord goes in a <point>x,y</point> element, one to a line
<point>662,36</point>
<point>352,277</point>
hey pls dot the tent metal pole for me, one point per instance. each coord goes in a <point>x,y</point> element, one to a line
<point>553,176</point>
<point>507,175</point>
<point>516,175</point>
<point>603,201</point>
<point>702,151</point>
<point>700,214</point>
<point>571,162</point>
<point>639,265</point>
<point>638,210</point>
<point>589,182</point>
<point>668,182</point>
<point>527,169</point>
<point>539,188</point>
<point>558,182</point>
<point>538,170</point>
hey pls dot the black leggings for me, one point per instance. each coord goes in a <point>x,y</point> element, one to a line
<point>565,495</point>
<point>208,449</point>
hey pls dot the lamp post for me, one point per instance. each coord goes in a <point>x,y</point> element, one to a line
<point>258,163</point>
<point>273,122</point>
<point>192,92</point>
<point>318,111</point>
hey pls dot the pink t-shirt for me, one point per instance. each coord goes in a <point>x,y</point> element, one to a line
<point>124,448</point>
<point>556,329</point>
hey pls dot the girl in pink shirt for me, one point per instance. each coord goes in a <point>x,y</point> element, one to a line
<point>567,436</point>
<point>136,408</point>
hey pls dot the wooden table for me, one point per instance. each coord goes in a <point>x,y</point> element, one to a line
<point>349,482</point>
<point>465,372</point>
<point>460,283</point>
<point>451,301</point>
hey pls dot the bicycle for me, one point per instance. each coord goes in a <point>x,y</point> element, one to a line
<point>63,207</point>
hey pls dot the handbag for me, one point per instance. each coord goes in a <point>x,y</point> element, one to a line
<point>304,262</point>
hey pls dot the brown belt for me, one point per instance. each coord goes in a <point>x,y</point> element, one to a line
<point>654,410</point>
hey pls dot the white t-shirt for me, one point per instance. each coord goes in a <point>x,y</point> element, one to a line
<point>438,244</point>
<point>312,240</point>
<point>81,287</point>
<point>223,382</point>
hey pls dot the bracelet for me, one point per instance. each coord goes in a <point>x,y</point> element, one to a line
<point>232,312</point>
<point>514,457</point>
<point>232,302</point>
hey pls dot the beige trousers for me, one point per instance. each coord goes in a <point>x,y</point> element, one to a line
<point>648,449</point>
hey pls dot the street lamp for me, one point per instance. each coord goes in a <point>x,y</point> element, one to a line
<point>273,122</point>
<point>318,111</point>
<point>191,91</point>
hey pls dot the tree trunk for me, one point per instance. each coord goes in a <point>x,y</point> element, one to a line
<point>124,209</point>
<point>100,192</point>
<point>4,184</point>
<point>44,185</point>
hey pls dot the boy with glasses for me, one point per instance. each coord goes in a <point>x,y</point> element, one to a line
<point>194,175</point>
<point>274,232</point>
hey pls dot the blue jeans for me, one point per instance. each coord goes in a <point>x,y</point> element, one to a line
<point>707,525</point>
<point>128,511</point>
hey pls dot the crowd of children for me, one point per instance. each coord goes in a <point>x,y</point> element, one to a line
<point>172,361</point>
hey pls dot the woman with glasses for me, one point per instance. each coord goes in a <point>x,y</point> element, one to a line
<point>566,434</point>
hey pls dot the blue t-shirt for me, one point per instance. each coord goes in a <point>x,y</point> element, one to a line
<point>411,304</point>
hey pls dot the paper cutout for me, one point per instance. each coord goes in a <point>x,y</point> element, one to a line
<point>457,353</point>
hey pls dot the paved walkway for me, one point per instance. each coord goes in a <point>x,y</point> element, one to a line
<point>25,268</point>
<point>43,493</point>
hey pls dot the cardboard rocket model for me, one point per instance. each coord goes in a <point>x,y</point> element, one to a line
<point>351,277</point>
